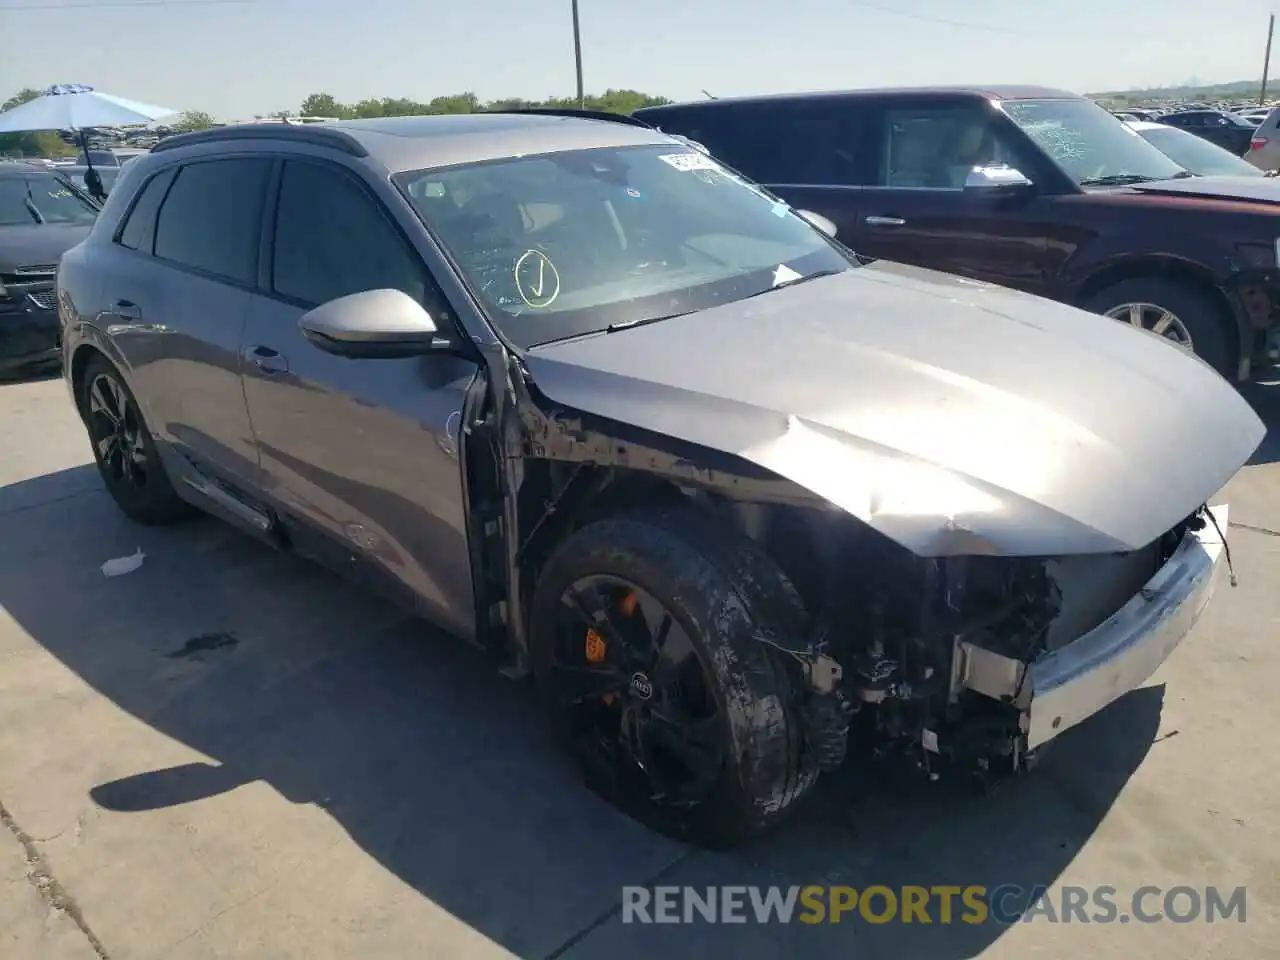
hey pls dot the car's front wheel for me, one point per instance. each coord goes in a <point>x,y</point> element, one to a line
<point>124,449</point>
<point>645,634</point>
<point>1175,311</point>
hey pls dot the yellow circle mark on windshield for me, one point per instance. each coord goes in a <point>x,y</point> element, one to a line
<point>537,279</point>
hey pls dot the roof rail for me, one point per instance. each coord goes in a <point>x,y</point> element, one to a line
<point>583,114</point>
<point>316,134</point>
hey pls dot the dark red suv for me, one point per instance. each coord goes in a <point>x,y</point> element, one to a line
<point>1026,187</point>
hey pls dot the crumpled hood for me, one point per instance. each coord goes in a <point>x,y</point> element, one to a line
<point>953,416</point>
<point>37,245</point>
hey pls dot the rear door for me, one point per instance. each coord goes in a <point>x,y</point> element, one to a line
<point>914,209</point>
<point>176,293</point>
<point>361,456</point>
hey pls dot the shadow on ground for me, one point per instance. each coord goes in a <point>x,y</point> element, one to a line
<point>439,768</point>
<point>38,374</point>
<point>1265,400</point>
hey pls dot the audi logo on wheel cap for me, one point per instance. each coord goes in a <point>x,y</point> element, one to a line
<point>641,686</point>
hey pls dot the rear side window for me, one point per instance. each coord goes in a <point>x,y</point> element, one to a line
<point>211,218</point>
<point>333,239</point>
<point>139,231</point>
<point>811,142</point>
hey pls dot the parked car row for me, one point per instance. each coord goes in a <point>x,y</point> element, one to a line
<point>582,393</point>
<point>42,215</point>
<point>1228,130</point>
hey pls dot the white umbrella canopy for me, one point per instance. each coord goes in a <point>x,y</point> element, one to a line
<point>72,106</point>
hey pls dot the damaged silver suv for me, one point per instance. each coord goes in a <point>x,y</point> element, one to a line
<point>580,395</point>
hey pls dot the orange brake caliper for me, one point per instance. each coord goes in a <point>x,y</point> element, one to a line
<point>595,646</point>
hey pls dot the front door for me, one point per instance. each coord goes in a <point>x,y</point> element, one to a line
<point>915,209</point>
<point>362,454</point>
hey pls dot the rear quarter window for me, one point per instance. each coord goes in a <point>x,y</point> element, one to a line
<point>139,229</point>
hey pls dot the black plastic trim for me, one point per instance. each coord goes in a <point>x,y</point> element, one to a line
<point>318,135</point>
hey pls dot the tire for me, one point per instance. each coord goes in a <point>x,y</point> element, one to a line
<point>724,593</point>
<point>130,468</point>
<point>1203,319</point>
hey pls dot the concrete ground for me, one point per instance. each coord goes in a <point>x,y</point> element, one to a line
<point>227,753</point>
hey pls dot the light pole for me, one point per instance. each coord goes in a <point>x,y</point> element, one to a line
<point>1266,61</point>
<point>577,55</point>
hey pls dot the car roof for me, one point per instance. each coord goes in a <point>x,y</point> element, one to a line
<point>990,92</point>
<point>413,143</point>
<point>1141,125</point>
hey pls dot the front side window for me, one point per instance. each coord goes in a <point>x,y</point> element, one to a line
<point>937,147</point>
<point>212,215</point>
<point>1091,146</point>
<point>41,198</point>
<point>331,239</point>
<point>568,243</point>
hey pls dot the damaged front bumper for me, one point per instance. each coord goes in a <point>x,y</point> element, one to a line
<point>1073,682</point>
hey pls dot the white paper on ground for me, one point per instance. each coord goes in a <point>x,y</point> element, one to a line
<point>122,565</point>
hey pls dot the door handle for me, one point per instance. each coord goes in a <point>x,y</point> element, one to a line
<point>885,221</point>
<point>126,310</point>
<point>267,360</point>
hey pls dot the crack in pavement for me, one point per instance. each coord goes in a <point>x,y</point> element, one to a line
<point>41,877</point>
<point>1267,531</point>
<point>607,915</point>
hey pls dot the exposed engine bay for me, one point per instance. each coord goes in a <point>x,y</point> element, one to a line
<point>894,626</point>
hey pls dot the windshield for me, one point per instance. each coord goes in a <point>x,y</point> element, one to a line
<point>1090,145</point>
<point>562,244</point>
<point>41,198</point>
<point>1197,154</point>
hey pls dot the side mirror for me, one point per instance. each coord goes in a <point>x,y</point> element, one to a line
<point>996,180</point>
<point>374,324</point>
<point>819,222</point>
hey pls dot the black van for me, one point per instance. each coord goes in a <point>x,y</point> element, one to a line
<point>1027,187</point>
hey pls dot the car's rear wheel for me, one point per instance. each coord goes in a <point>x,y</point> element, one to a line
<point>645,633</point>
<point>124,449</point>
<point>1175,311</point>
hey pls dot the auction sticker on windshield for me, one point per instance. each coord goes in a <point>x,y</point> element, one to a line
<point>690,161</point>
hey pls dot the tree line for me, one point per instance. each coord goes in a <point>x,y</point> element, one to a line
<point>327,105</point>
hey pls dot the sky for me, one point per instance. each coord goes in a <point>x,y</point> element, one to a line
<point>237,59</point>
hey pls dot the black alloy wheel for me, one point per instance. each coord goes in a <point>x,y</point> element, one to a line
<point>636,695</point>
<point>115,428</point>
<point>648,641</point>
<point>124,449</point>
